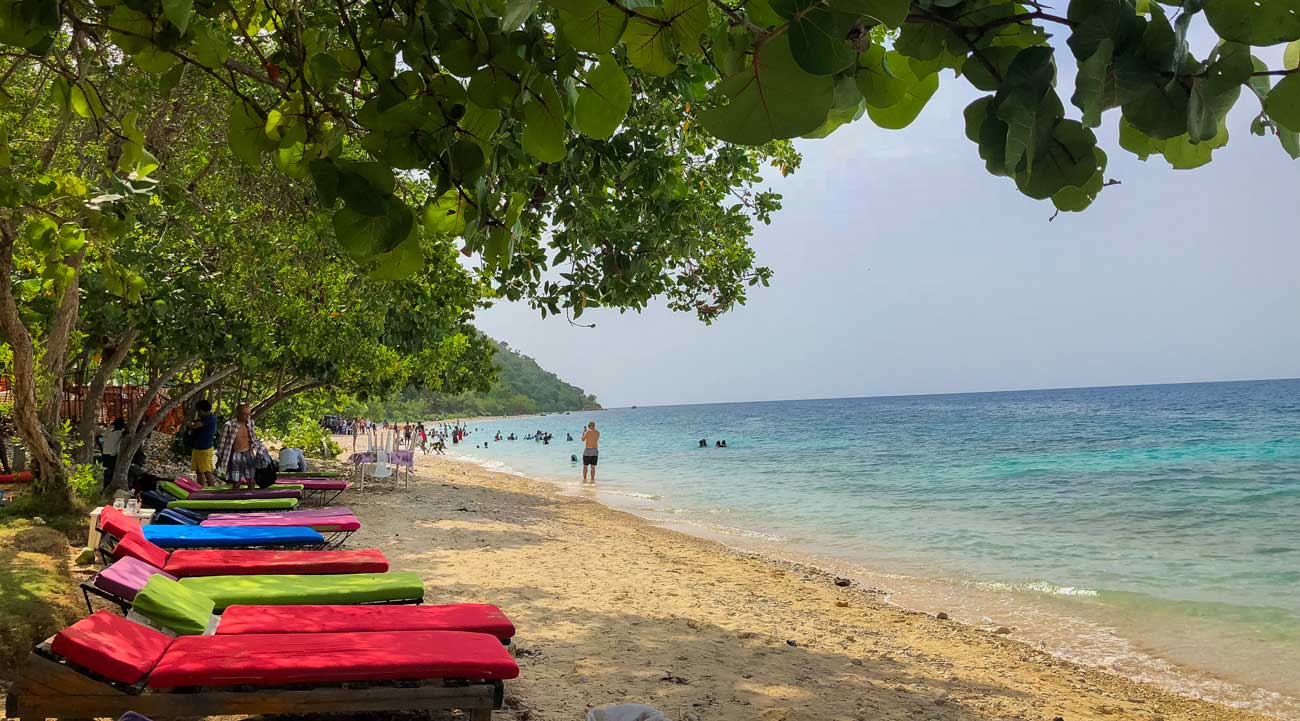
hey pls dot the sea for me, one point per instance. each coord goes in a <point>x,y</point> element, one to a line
<point>1153,531</point>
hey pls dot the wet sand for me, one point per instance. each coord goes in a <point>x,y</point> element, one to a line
<point>611,608</point>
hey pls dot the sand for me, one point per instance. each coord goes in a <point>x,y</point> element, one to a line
<point>611,608</point>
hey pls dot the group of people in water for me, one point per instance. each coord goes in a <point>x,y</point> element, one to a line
<point>704,443</point>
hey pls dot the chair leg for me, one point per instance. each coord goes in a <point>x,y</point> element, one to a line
<point>480,714</point>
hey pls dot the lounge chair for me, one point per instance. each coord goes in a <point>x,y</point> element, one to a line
<point>210,502</point>
<point>176,608</point>
<point>189,562</point>
<point>160,596</point>
<point>337,524</point>
<point>115,525</point>
<point>325,490</point>
<point>106,665</point>
<point>227,494</point>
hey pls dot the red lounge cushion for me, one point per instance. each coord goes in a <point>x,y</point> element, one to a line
<point>320,658</point>
<point>188,484</point>
<point>111,646</point>
<point>188,563</point>
<point>476,617</point>
<point>134,545</point>
<point>117,524</point>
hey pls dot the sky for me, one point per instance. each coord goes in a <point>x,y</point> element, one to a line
<point>903,267</point>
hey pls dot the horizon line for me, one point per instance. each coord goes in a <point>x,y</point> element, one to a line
<point>946,393</point>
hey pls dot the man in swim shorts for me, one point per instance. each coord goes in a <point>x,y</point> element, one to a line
<point>591,438</point>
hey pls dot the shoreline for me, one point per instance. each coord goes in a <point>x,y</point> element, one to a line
<point>602,563</point>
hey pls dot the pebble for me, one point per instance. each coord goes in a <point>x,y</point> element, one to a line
<point>1002,630</point>
<point>843,582</point>
<point>941,616</point>
<point>791,643</point>
<point>842,604</point>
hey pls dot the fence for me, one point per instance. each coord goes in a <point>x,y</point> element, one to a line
<point>117,401</point>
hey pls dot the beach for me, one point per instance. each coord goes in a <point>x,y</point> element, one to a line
<point>612,608</point>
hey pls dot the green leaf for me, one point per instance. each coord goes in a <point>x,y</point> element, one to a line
<point>1291,55</point>
<point>923,41</point>
<point>1069,160</point>
<point>591,25</point>
<point>689,18</point>
<point>978,73</point>
<point>1137,142</point>
<point>1214,94</point>
<point>245,133</point>
<point>465,162</point>
<point>603,101</point>
<point>901,114</point>
<point>324,71</point>
<point>890,13</point>
<point>447,214</point>
<point>986,129</point>
<point>543,136</point>
<point>1029,106</point>
<point>1283,103</point>
<point>178,13</point>
<point>1254,22</point>
<point>1074,199</point>
<point>480,125</point>
<point>1161,111</point>
<point>1184,153</point>
<point>770,98</point>
<point>365,187</point>
<point>84,100</point>
<point>883,77</point>
<point>366,235</point>
<point>400,262</point>
<point>326,177</point>
<point>819,40</point>
<point>1094,87</point>
<point>1290,140</point>
<point>491,87</point>
<point>649,44</point>
<point>846,107</point>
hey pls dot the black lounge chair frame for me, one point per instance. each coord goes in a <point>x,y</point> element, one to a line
<point>51,687</point>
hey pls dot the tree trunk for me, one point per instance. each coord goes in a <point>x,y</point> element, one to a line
<point>132,443</point>
<point>51,484</point>
<point>112,359</point>
<point>54,362</point>
<point>269,402</point>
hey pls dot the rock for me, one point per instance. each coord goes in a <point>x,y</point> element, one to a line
<point>843,582</point>
<point>693,624</point>
<point>842,604</point>
<point>941,616</point>
<point>86,557</point>
<point>858,662</point>
<point>1002,630</point>
<point>38,521</point>
<point>791,643</point>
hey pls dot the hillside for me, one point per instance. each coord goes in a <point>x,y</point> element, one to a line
<point>522,387</point>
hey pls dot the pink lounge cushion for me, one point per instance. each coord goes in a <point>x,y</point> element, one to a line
<point>135,545</point>
<point>126,576</point>
<point>188,484</point>
<point>475,617</point>
<point>327,512</point>
<point>111,646</point>
<point>305,658</point>
<point>189,563</point>
<point>324,524</point>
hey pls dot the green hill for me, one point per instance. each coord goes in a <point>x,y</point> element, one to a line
<point>522,387</point>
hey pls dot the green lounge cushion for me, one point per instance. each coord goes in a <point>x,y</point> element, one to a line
<point>174,607</point>
<point>174,490</point>
<point>343,589</point>
<point>238,504</point>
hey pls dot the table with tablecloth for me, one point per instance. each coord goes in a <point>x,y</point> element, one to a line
<point>403,460</point>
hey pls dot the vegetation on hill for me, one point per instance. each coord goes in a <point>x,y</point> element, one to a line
<point>521,387</point>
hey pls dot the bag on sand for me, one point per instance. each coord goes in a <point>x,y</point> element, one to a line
<point>265,476</point>
<point>626,712</point>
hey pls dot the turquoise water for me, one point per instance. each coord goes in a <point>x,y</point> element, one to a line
<point>1150,529</point>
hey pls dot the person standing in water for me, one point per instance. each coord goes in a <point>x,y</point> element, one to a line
<point>591,438</point>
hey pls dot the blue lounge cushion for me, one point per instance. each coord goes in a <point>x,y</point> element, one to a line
<point>174,517</point>
<point>175,536</point>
